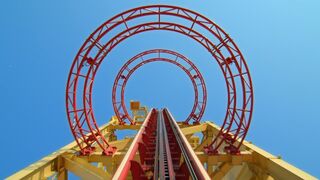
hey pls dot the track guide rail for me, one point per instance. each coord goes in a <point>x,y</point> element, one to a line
<point>191,165</point>
<point>166,170</point>
<point>163,150</point>
<point>144,144</point>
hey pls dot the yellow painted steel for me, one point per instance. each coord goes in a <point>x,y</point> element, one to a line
<point>139,112</point>
<point>48,166</point>
<point>252,163</point>
<point>134,105</point>
<point>223,170</point>
<point>83,168</point>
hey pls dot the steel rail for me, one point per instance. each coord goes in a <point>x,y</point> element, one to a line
<point>156,157</point>
<point>194,165</point>
<point>123,169</point>
<point>165,153</point>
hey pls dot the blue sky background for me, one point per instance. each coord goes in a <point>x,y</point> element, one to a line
<point>279,39</point>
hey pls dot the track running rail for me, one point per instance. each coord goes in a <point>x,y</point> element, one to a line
<point>194,165</point>
<point>163,150</point>
<point>127,162</point>
<point>166,165</point>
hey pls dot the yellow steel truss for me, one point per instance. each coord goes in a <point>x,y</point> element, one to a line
<point>139,112</point>
<point>252,163</point>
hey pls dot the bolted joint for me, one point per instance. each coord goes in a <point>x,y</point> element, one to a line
<point>231,149</point>
<point>87,150</point>
<point>110,151</point>
<point>210,150</point>
<point>90,61</point>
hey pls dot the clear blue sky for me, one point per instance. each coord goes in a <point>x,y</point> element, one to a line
<point>279,39</point>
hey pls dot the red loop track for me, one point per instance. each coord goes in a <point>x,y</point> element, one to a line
<point>154,55</point>
<point>166,18</point>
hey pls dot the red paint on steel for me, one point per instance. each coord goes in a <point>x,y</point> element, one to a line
<point>166,166</point>
<point>154,55</point>
<point>219,44</point>
<point>136,171</point>
<point>191,161</point>
<point>145,137</point>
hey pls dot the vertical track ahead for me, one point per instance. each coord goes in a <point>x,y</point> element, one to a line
<point>143,144</point>
<point>165,161</point>
<point>164,152</point>
<point>188,164</point>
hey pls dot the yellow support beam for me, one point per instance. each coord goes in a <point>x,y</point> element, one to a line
<point>253,162</point>
<point>83,169</point>
<point>47,166</point>
<point>43,168</point>
<point>224,158</point>
<point>221,171</point>
<point>273,166</point>
<point>205,142</point>
<point>245,173</point>
<point>187,130</point>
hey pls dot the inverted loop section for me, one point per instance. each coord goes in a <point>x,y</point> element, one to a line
<point>165,18</point>
<point>159,55</point>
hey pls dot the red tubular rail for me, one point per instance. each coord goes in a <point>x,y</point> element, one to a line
<point>195,168</point>
<point>166,146</point>
<point>127,162</point>
<point>165,160</point>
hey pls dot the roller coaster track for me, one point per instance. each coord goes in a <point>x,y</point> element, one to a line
<point>163,150</point>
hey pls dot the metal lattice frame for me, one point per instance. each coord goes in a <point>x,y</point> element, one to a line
<point>170,18</point>
<point>200,95</point>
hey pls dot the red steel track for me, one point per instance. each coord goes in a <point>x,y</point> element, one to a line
<point>166,18</point>
<point>163,150</point>
<point>163,55</point>
<point>144,143</point>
